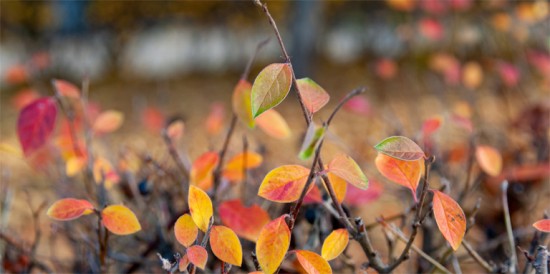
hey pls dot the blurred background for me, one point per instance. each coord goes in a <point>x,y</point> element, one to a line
<point>481,66</point>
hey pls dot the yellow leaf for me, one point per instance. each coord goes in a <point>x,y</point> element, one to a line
<point>200,207</point>
<point>241,102</point>
<point>234,169</point>
<point>335,244</point>
<point>273,244</point>
<point>284,184</point>
<point>489,160</point>
<point>202,169</point>
<point>313,263</point>
<point>74,166</point>
<point>226,245</point>
<point>185,230</point>
<point>120,220</point>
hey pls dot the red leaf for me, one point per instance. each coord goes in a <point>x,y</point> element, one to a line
<point>153,119</point>
<point>357,197</point>
<point>543,225</point>
<point>247,222</point>
<point>36,124</point>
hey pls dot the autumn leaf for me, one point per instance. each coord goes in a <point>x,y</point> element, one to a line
<point>273,244</point>
<point>234,168</point>
<point>401,148</point>
<point>36,123</point>
<point>226,245</point>
<point>214,121</point>
<point>247,222</point>
<point>405,173</point>
<point>430,126</point>
<point>312,140</point>
<point>66,89</point>
<point>313,95</point>
<point>312,263</point>
<point>75,165</point>
<point>542,225</point>
<point>153,119</point>
<point>183,263</point>
<point>200,207</point>
<point>69,209</point>
<point>120,220</point>
<point>472,75</point>
<point>185,230</point>
<point>357,197</point>
<point>198,256</point>
<point>273,124</point>
<point>450,218</point>
<point>175,130</point>
<point>335,243</point>
<point>103,171</point>
<point>108,121</point>
<point>489,160</point>
<point>242,107</point>
<point>202,169</point>
<point>339,185</point>
<point>284,184</point>
<point>270,87</point>
<point>346,168</point>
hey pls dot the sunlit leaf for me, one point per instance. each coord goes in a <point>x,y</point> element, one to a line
<point>313,95</point>
<point>120,220</point>
<point>175,130</point>
<point>273,244</point>
<point>198,256</point>
<point>226,245</point>
<point>339,185</point>
<point>214,121</point>
<point>312,141</point>
<point>284,184</point>
<point>313,263</point>
<point>335,243</point>
<point>202,169</point>
<point>66,89</point>
<point>489,159</point>
<point>450,218</point>
<point>346,168</point>
<point>247,222</point>
<point>401,148</point>
<point>234,168</point>
<point>108,121</point>
<point>69,209</point>
<point>200,207</point>
<point>542,225</point>
<point>185,230</point>
<point>75,165</point>
<point>472,75</point>
<point>405,173</point>
<point>273,124</point>
<point>36,123</point>
<point>242,106</point>
<point>270,87</point>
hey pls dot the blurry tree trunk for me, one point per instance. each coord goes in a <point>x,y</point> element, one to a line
<point>304,27</point>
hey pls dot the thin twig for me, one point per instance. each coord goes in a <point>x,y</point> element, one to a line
<point>217,173</point>
<point>482,262</point>
<point>508,222</point>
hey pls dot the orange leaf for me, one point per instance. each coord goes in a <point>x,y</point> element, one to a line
<point>346,168</point>
<point>247,222</point>
<point>273,124</point>
<point>75,165</point>
<point>234,168</point>
<point>400,147</point>
<point>214,122</point>
<point>200,207</point>
<point>489,160</point>
<point>270,87</point>
<point>108,121</point>
<point>273,244</point>
<point>313,263</point>
<point>175,130</point>
<point>339,185</point>
<point>431,125</point>
<point>202,168</point>
<point>241,102</point>
<point>198,256</point>
<point>284,184</point>
<point>405,173</point>
<point>185,230</point>
<point>542,225</point>
<point>69,209</point>
<point>335,243</point>
<point>66,89</point>
<point>472,75</point>
<point>450,218</point>
<point>313,95</point>
<point>120,220</point>
<point>226,245</point>
<point>183,263</point>
<point>104,171</point>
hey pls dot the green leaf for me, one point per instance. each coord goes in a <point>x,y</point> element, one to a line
<point>270,87</point>
<point>311,141</point>
<point>401,148</point>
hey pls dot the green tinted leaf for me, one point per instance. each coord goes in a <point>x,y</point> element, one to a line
<point>401,148</point>
<point>311,141</point>
<point>270,87</point>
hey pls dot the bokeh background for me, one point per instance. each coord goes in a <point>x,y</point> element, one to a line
<point>485,62</point>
